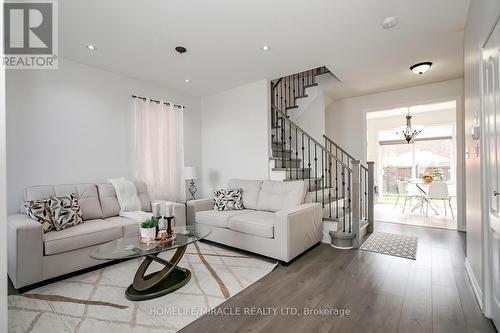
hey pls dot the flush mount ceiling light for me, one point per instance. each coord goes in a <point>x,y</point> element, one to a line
<point>389,22</point>
<point>265,48</point>
<point>91,47</point>
<point>181,49</point>
<point>421,67</point>
<point>187,80</point>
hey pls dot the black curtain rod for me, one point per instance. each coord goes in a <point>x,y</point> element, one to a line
<point>158,102</point>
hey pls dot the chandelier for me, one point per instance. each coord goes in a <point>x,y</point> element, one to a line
<point>408,132</point>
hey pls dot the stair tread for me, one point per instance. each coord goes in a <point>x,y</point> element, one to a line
<point>290,168</point>
<point>285,159</point>
<point>292,107</point>
<point>310,85</point>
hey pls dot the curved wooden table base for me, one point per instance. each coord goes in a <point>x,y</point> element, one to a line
<point>160,283</point>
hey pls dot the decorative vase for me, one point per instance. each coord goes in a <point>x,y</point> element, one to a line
<point>147,234</point>
<point>427,179</point>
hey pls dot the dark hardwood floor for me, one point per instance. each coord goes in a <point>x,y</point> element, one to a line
<point>382,293</point>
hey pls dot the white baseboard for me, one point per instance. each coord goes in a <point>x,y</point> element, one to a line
<point>475,285</point>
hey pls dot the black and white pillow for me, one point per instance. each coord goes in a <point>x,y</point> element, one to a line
<point>228,199</point>
<point>39,210</point>
<point>65,211</point>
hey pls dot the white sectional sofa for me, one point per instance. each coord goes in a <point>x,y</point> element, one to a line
<point>34,256</point>
<point>276,221</point>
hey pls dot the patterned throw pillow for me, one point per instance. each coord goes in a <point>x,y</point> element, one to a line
<point>39,210</point>
<point>65,211</point>
<point>228,199</point>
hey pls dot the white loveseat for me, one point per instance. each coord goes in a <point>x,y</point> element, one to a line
<point>276,221</point>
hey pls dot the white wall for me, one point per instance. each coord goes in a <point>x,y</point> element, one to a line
<point>310,114</point>
<point>235,135</point>
<point>75,124</point>
<point>480,21</point>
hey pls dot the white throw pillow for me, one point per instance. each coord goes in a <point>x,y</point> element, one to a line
<point>126,193</point>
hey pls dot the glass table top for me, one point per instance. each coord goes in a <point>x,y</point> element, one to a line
<point>131,247</point>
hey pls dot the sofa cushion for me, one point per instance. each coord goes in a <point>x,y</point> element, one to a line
<point>65,211</point>
<point>90,233</point>
<point>109,201</point>
<point>129,227</point>
<point>88,198</point>
<point>249,191</point>
<point>218,218</point>
<point>257,223</point>
<point>278,195</point>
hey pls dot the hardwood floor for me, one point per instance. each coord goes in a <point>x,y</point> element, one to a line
<point>382,293</point>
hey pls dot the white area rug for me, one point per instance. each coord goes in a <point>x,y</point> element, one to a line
<point>95,302</point>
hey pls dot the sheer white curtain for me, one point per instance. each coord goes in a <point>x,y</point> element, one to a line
<point>160,149</point>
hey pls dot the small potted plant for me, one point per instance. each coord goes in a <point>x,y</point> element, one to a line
<point>148,229</point>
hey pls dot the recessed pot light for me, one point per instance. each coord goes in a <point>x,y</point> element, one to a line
<point>421,67</point>
<point>187,80</point>
<point>265,48</point>
<point>389,22</point>
<point>91,47</point>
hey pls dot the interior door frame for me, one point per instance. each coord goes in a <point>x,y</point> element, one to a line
<point>459,145</point>
<point>486,297</point>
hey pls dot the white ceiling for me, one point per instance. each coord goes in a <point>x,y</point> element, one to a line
<point>137,39</point>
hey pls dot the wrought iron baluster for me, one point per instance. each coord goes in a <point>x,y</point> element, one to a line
<point>290,147</point>
<point>349,199</point>
<point>295,163</point>
<point>322,178</point>
<point>315,171</point>
<point>303,156</point>
<point>309,159</point>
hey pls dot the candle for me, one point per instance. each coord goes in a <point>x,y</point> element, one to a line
<point>168,209</point>
<point>156,207</point>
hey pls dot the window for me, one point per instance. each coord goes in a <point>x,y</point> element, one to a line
<point>430,154</point>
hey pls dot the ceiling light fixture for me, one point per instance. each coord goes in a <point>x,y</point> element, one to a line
<point>421,67</point>
<point>91,47</point>
<point>407,131</point>
<point>187,80</point>
<point>181,49</point>
<point>265,48</point>
<point>389,22</point>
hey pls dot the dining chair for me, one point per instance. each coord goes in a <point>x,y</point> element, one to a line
<point>439,191</point>
<point>405,190</point>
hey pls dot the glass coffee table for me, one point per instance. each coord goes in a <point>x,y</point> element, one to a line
<point>164,281</point>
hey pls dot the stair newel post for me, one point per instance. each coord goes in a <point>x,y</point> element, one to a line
<point>371,195</point>
<point>355,202</point>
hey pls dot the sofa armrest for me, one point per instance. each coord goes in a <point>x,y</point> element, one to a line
<point>299,228</point>
<point>197,205</point>
<point>24,250</point>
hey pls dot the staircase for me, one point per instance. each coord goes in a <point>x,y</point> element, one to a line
<point>334,178</point>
